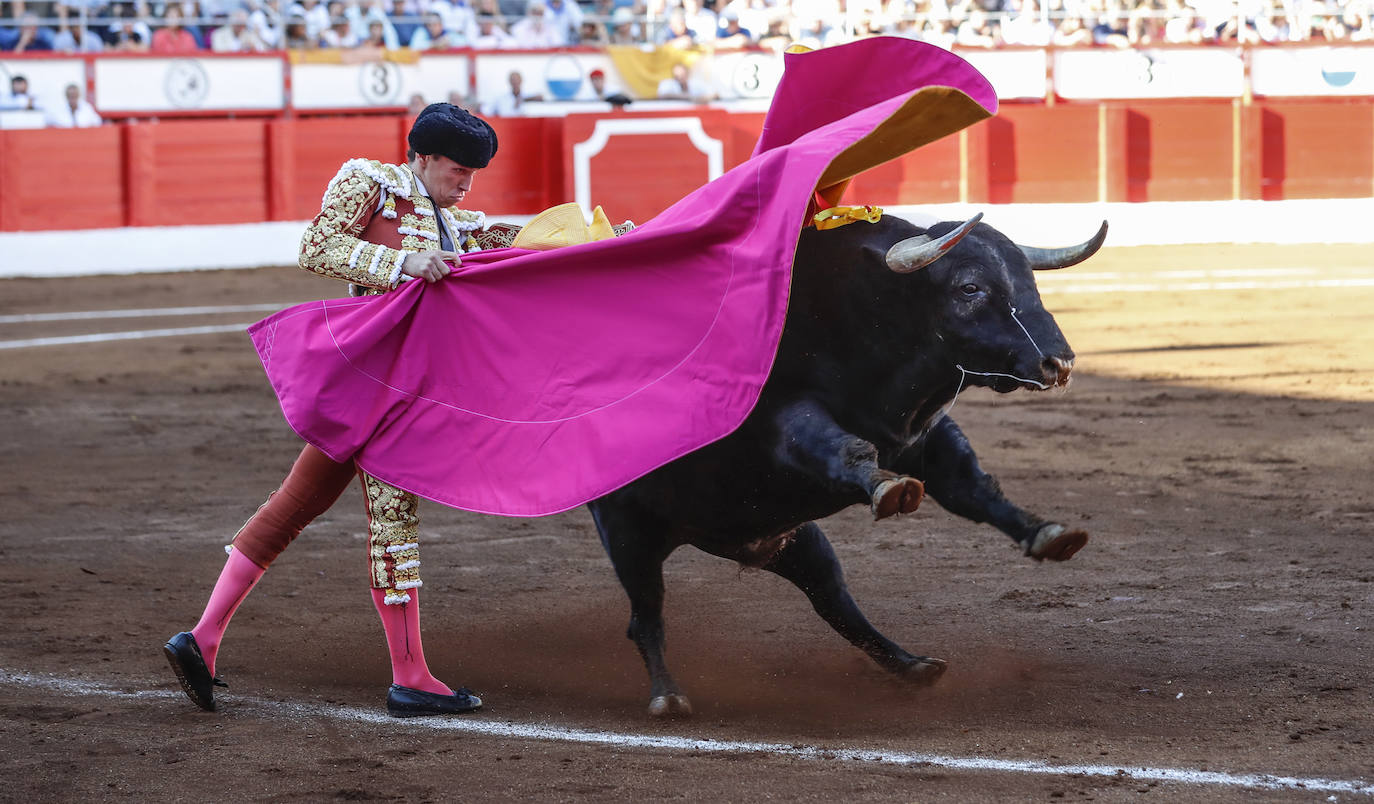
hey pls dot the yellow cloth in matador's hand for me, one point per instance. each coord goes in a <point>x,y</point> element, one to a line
<point>563,225</point>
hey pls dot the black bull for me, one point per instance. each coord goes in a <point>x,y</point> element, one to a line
<point>886,324</point>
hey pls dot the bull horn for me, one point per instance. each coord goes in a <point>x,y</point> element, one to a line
<point>1048,259</point>
<point>915,253</point>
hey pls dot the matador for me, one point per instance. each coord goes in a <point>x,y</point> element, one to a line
<point>379,225</point>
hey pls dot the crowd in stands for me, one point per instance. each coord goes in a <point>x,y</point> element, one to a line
<point>91,26</point>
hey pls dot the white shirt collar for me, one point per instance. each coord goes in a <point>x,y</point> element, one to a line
<point>419,185</point>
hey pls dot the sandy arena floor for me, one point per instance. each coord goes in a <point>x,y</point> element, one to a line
<point>1216,443</point>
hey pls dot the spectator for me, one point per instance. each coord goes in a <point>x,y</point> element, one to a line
<point>264,17</point>
<point>236,36</point>
<point>75,113</point>
<point>1072,32</point>
<point>295,35</point>
<point>510,103</point>
<point>219,11</point>
<point>19,97</point>
<point>1109,31</point>
<point>1217,16</point>
<point>127,34</point>
<point>731,33</point>
<point>172,37</point>
<point>565,17</point>
<point>95,9</point>
<point>776,38</point>
<point>458,17</point>
<point>417,104</point>
<point>754,15</point>
<point>1183,26</point>
<point>624,31</point>
<point>816,33</point>
<point>976,30</point>
<point>1357,23</point>
<point>592,34</point>
<point>433,36</point>
<point>682,85</point>
<point>676,33</point>
<point>1144,27</point>
<point>28,38</point>
<point>339,35</point>
<point>701,19</point>
<point>595,88</point>
<point>492,35</point>
<point>376,35</point>
<point>76,39</point>
<point>362,19</point>
<point>1027,27</point>
<point>532,31</point>
<point>315,14</point>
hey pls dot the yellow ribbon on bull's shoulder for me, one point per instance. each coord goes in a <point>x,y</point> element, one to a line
<point>835,217</point>
<point>563,225</point>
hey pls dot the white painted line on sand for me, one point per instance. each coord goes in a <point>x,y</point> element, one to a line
<point>1194,287</point>
<point>469,724</point>
<point>101,337</point>
<point>147,312</point>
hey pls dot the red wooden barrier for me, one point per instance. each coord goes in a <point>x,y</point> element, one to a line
<point>61,179</point>
<point>234,171</point>
<point>1313,149</point>
<point>1180,151</point>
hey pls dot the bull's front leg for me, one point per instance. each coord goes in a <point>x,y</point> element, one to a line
<point>944,459</point>
<point>810,441</point>
<point>809,562</point>
<point>637,550</point>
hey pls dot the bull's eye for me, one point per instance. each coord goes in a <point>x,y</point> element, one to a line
<point>969,289</point>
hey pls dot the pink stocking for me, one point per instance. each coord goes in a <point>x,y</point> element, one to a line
<point>236,580</point>
<point>402,625</point>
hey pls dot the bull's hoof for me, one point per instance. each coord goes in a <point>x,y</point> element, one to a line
<point>674,705</point>
<point>1056,543</point>
<point>923,670</point>
<point>900,495</point>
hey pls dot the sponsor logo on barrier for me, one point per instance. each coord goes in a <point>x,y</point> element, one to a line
<point>379,82</point>
<point>755,76</point>
<point>1338,70</point>
<point>186,83</point>
<point>563,75</point>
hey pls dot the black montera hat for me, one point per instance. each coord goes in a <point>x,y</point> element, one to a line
<point>452,131</point>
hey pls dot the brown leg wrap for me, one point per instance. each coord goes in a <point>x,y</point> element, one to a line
<point>313,485</point>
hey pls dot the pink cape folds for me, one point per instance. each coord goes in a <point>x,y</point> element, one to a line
<point>529,383</point>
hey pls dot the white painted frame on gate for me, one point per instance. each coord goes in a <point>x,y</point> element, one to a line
<point>605,129</point>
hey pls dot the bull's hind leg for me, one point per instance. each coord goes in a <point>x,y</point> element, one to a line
<point>810,441</point>
<point>946,462</point>
<point>637,551</point>
<point>810,563</point>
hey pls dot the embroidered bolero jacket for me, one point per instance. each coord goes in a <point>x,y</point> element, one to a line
<point>351,240</point>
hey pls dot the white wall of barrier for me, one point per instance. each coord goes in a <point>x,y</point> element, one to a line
<point>121,85</point>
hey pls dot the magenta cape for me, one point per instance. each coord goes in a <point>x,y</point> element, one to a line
<point>529,383</point>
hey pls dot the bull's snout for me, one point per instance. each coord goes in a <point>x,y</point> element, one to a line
<point>1056,370</point>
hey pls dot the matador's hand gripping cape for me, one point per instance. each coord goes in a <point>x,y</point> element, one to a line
<point>530,382</point>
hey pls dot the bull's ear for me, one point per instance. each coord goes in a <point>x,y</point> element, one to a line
<point>1048,259</point>
<point>915,253</point>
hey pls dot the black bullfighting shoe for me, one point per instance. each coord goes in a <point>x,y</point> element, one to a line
<point>183,654</point>
<point>407,702</point>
